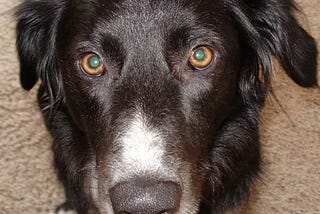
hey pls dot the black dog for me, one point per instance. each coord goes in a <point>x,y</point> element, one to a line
<point>154,105</point>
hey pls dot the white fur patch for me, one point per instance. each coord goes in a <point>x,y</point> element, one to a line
<point>142,147</point>
<point>142,152</point>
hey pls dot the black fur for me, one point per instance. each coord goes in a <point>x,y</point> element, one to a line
<point>215,127</point>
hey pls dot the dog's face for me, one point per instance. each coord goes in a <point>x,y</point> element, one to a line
<point>152,110</point>
<point>162,96</point>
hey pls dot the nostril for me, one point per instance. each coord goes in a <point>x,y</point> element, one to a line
<point>145,197</point>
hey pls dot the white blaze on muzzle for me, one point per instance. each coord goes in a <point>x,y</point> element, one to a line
<point>143,154</point>
<point>142,148</point>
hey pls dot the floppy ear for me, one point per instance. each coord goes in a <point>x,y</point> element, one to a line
<point>272,30</point>
<point>36,30</point>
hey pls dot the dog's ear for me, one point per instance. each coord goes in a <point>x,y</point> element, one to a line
<point>36,30</point>
<point>272,30</point>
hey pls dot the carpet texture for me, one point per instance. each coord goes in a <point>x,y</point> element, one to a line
<point>290,139</point>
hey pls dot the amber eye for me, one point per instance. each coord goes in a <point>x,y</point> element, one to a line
<point>91,64</point>
<point>201,57</point>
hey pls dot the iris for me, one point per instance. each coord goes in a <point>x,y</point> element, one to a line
<point>201,57</point>
<point>92,64</point>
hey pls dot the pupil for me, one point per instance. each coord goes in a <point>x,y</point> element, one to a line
<point>199,54</point>
<point>94,62</point>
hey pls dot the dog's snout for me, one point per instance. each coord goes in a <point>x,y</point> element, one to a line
<point>145,197</point>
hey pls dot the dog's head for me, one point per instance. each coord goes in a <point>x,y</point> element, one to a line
<point>166,94</point>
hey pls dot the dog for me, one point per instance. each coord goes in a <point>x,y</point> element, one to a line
<point>153,106</point>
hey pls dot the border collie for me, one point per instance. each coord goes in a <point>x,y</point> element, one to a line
<point>153,105</point>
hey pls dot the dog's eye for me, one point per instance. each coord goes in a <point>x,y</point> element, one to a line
<point>201,57</point>
<point>91,64</point>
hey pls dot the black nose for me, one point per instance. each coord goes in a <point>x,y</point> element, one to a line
<point>140,197</point>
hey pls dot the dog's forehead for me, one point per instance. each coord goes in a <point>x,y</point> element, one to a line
<point>152,13</point>
<point>135,17</point>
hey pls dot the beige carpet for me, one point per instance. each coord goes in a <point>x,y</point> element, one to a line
<point>291,140</point>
